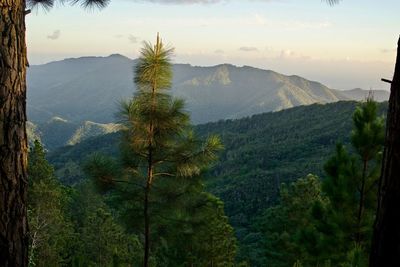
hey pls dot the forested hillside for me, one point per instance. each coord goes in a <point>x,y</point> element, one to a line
<point>260,153</point>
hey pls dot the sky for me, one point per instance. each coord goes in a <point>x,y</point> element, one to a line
<point>349,45</point>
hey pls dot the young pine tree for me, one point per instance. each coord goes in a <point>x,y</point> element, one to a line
<point>352,182</point>
<point>160,156</point>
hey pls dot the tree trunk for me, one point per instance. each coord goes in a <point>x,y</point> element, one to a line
<point>13,141</point>
<point>361,201</point>
<point>146,226</point>
<point>385,250</point>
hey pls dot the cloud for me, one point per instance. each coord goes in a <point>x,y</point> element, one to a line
<point>219,51</point>
<point>385,50</point>
<point>55,35</point>
<point>306,25</point>
<point>133,39</point>
<point>260,19</point>
<point>248,49</point>
<point>287,53</point>
<point>118,36</point>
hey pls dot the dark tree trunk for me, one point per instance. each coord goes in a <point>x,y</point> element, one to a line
<point>385,250</point>
<point>361,201</point>
<point>146,224</point>
<point>13,141</point>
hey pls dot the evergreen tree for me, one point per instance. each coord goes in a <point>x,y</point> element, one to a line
<point>50,230</point>
<point>367,139</point>
<point>352,180</point>
<point>288,228</point>
<point>333,224</point>
<point>386,239</point>
<point>13,138</point>
<point>99,240</point>
<point>202,236</point>
<point>161,159</point>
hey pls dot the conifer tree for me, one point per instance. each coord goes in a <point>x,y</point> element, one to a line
<point>352,184</point>
<point>289,230</point>
<point>160,156</point>
<point>50,230</point>
<point>13,137</point>
<point>99,239</point>
<point>386,238</point>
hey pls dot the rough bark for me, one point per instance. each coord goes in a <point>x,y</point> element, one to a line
<point>385,250</point>
<point>13,141</point>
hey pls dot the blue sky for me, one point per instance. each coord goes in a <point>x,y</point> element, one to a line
<point>349,45</point>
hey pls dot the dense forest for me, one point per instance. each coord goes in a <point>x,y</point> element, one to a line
<point>260,154</point>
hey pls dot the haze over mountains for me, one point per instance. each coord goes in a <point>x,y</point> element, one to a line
<point>89,88</point>
<point>72,97</point>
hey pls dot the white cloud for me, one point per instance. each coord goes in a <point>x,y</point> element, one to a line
<point>385,50</point>
<point>55,35</point>
<point>133,39</point>
<point>248,49</point>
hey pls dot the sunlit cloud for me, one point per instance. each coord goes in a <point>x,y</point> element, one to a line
<point>55,35</point>
<point>248,49</point>
<point>133,39</point>
<point>385,50</point>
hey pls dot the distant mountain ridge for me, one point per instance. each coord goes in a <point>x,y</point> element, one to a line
<point>360,94</point>
<point>58,132</point>
<point>89,89</point>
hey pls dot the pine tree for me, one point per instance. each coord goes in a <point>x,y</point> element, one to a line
<point>50,230</point>
<point>351,185</point>
<point>289,230</point>
<point>367,139</point>
<point>100,240</point>
<point>386,238</point>
<point>13,137</point>
<point>161,157</point>
<point>202,236</point>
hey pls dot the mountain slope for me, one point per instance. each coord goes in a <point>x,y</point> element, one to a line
<point>89,88</point>
<point>58,132</point>
<point>260,153</point>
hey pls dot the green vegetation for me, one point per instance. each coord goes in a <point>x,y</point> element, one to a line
<point>155,185</point>
<point>88,88</point>
<point>154,197</point>
<point>330,223</point>
<point>72,226</point>
<point>260,153</point>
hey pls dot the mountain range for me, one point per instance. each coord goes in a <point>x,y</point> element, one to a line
<point>90,88</point>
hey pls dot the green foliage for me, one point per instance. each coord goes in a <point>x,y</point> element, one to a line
<point>288,228</point>
<point>356,257</point>
<point>352,182</point>
<point>155,184</point>
<point>261,152</point>
<point>50,230</point>
<point>332,226</point>
<point>72,226</point>
<point>99,239</point>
